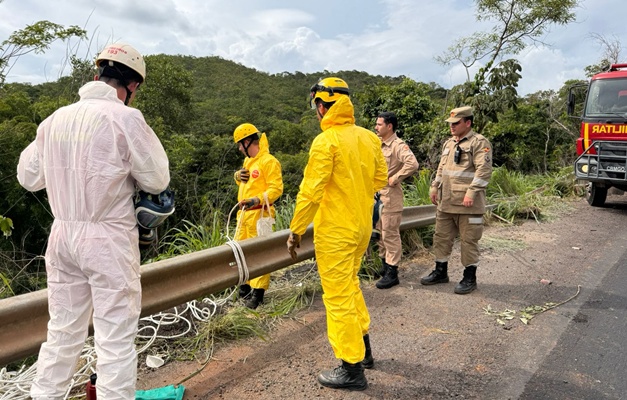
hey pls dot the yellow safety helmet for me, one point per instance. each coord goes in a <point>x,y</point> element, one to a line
<point>243,131</point>
<point>328,90</point>
<point>124,54</point>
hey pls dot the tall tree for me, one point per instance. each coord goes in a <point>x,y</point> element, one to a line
<point>518,23</point>
<point>33,38</point>
<point>412,104</point>
<point>612,49</point>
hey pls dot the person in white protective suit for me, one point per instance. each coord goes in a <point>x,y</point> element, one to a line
<point>91,157</point>
<point>345,169</point>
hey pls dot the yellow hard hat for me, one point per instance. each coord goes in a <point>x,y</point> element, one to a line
<point>328,90</point>
<point>124,54</point>
<point>243,131</point>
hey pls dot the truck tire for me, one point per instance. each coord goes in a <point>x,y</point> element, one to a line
<point>596,195</point>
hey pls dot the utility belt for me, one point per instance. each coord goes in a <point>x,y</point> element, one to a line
<point>258,207</point>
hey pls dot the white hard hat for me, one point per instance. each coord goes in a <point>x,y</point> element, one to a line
<point>124,54</point>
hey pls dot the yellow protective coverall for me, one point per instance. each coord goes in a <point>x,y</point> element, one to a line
<point>265,176</point>
<point>345,169</point>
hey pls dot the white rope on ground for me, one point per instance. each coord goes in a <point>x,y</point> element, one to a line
<point>15,385</point>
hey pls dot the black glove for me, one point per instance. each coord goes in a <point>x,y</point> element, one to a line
<point>249,203</point>
<point>146,237</point>
<point>242,175</point>
<point>293,243</point>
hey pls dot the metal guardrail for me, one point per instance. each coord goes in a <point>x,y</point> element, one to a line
<point>172,282</point>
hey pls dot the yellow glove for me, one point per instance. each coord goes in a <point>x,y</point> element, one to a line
<point>293,243</point>
<point>249,203</point>
<point>242,175</point>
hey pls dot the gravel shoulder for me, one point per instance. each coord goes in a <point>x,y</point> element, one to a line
<point>428,342</point>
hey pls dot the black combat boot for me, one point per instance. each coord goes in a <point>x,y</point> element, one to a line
<point>469,282</point>
<point>390,278</point>
<point>381,272</point>
<point>255,299</point>
<point>346,376</point>
<point>368,359</point>
<point>438,275</point>
<point>244,291</point>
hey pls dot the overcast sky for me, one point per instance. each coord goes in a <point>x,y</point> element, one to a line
<point>385,37</point>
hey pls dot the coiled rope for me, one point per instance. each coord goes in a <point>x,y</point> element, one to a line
<point>240,259</point>
<point>15,385</point>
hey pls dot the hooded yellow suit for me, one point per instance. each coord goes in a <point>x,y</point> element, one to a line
<point>265,176</point>
<point>345,169</point>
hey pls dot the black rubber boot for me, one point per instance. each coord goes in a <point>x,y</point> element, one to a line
<point>346,376</point>
<point>244,291</point>
<point>255,299</point>
<point>438,275</point>
<point>381,272</point>
<point>389,279</point>
<point>368,359</point>
<point>469,282</point>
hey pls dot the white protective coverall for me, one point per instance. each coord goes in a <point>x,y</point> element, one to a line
<point>89,156</point>
<point>345,169</point>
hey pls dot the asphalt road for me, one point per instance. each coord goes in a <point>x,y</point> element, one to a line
<point>583,356</point>
<point>589,360</point>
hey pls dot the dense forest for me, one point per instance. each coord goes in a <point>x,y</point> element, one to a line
<point>194,104</point>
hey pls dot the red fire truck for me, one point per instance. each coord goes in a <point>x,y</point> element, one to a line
<point>602,144</point>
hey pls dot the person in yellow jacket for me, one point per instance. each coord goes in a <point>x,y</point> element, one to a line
<point>345,169</point>
<point>458,190</point>
<point>259,176</point>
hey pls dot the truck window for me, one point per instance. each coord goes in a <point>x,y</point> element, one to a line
<point>607,96</point>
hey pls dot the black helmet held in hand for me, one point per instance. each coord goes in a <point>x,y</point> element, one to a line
<point>151,210</point>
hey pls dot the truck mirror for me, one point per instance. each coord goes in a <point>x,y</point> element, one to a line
<point>571,103</point>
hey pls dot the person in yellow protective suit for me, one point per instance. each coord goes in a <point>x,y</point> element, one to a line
<point>345,169</point>
<point>91,156</point>
<point>260,175</point>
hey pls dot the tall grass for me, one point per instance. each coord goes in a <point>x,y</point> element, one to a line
<point>284,211</point>
<point>416,193</point>
<point>192,237</point>
<point>518,196</point>
<point>21,273</point>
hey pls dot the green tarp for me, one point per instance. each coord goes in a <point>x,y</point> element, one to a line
<point>163,393</point>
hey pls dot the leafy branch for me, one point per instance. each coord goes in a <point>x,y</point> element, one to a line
<point>527,313</point>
